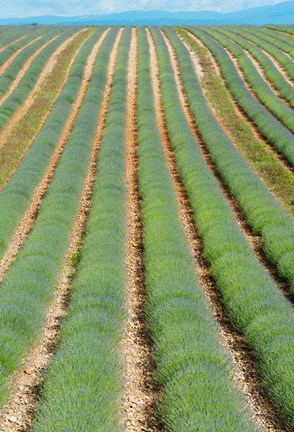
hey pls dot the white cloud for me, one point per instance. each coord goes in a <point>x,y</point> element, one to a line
<point>21,8</point>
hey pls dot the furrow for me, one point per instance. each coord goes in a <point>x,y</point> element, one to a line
<point>66,224</point>
<point>287,165</point>
<point>24,70</point>
<point>54,58</point>
<point>14,55</point>
<point>255,306</point>
<point>271,128</point>
<point>262,73</point>
<point>19,412</point>
<point>18,192</point>
<point>246,375</point>
<point>265,67</point>
<point>11,43</point>
<point>15,128</point>
<point>27,221</point>
<point>278,66</point>
<point>274,54</point>
<point>257,115</point>
<point>238,109</point>
<point>286,29</point>
<point>272,39</point>
<point>278,247</point>
<point>284,111</point>
<point>89,388</point>
<point>190,370</point>
<point>24,108</point>
<point>15,45</point>
<point>253,239</point>
<point>12,35</point>
<point>141,391</point>
<point>279,36</point>
<point>243,136</point>
<point>28,81</point>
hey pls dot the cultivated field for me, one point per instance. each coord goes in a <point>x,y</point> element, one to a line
<point>146,229</point>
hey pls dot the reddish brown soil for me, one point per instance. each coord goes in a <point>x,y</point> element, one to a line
<point>23,109</point>
<point>24,70</point>
<point>246,377</point>
<point>249,88</point>
<point>18,413</point>
<point>253,239</point>
<point>28,219</point>
<point>261,72</point>
<point>8,135</point>
<point>280,68</point>
<point>11,43</point>
<point>276,63</point>
<point>15,54</point>
<point>239,110</point>
<point>141,391</point>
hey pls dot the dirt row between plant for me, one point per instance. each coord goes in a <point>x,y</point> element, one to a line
<point>255,131</point>
<point>276,165</point>
<point>18,126</point>
<point>53,60</point>
<point>15,54</point>
<point>27,221</point>
<point>11,43</point>
<point>283,33</point>
<point>258,135</point>
<point>280,67</point>
<point>245,139</point>
<point>23,109</point>
<point>24,70</point>
<point>193,54</point>
<point>246,375</point>
<point>248,86</point>
<point>261,72</point>
<point>18,414</point>
<point>253,239</point>
<point>141,392</point>
<point>275,62</point>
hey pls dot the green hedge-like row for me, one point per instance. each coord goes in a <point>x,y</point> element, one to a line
<point>280,56</point>
<point>27,83</point>
<point>271,39</point>
<point>266,217</point>
<point>261,89</point>
<point>83,386</point>
<point>255,305</point>
<point>7,78</point>
<point>9,35</point>
<point>194,372</point>
<point>276,134</point>
<point>16,195</point>
<point>280,36</point>
<point>11,49</point>
<point>286,28</point>
<point>28,287</point>
<point>271,72</point>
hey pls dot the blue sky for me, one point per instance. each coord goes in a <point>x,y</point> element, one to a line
<point>22,8</point>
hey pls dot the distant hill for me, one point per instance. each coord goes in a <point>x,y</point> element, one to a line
<point>282,13</point>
